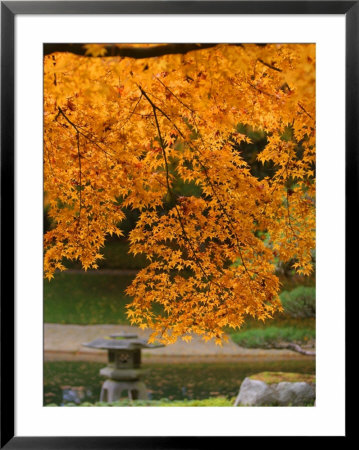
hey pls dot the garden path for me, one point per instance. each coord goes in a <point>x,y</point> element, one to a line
<point>64,342</point>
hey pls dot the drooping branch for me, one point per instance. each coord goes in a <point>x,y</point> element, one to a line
<point>155,107</point>
<point>206,174</point>
<point>128,51</point>
<point>80,171</point>
<point>78,155</point>
<point>170,192</point>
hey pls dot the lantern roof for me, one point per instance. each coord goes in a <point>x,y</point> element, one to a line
<point>121,341</point>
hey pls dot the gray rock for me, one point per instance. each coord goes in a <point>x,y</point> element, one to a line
<point>255,392</point>
<point>258,393</point>
<point>296,394</point>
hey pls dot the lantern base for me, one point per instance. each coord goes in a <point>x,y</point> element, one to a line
<point>122,374</point>
<point>112,390</point>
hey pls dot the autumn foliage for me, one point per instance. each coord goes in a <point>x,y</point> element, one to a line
<point>121,132</point>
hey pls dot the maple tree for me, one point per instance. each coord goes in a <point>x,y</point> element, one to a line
<point>124,131</point>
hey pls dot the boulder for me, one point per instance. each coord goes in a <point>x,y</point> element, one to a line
<point>295,394</point>
<point>271,388</point>
<point>255,392</point>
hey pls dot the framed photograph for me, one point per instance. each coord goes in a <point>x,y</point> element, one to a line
<point>177,180</point>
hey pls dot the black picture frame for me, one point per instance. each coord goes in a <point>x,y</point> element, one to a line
<point>9,10</point>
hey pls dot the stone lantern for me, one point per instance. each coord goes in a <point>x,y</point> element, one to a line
<point>123,371</point>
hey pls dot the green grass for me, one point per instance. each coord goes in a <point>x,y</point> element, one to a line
<point>80,298</point>
<point>263,337</point>
<point>216,401</point>
<point>174,381</point>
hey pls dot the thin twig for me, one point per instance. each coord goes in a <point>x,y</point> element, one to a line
<point>303,109</point>
<point>131,114</point>
<point>175,96</point>
<point>79,158</point>
<point>269,65</point>
<point>77,128</point>
<point>260,90</point>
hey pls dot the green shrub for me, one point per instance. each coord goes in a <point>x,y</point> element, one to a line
<point>267,337</point>
<point>300,302</point>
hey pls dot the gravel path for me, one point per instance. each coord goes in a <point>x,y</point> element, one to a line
<point>62,342</point>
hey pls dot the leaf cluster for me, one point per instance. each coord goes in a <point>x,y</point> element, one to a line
<point>127,134</point>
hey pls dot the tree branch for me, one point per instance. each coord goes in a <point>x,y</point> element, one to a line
<point>295,347</point>
<point>131,52</point>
